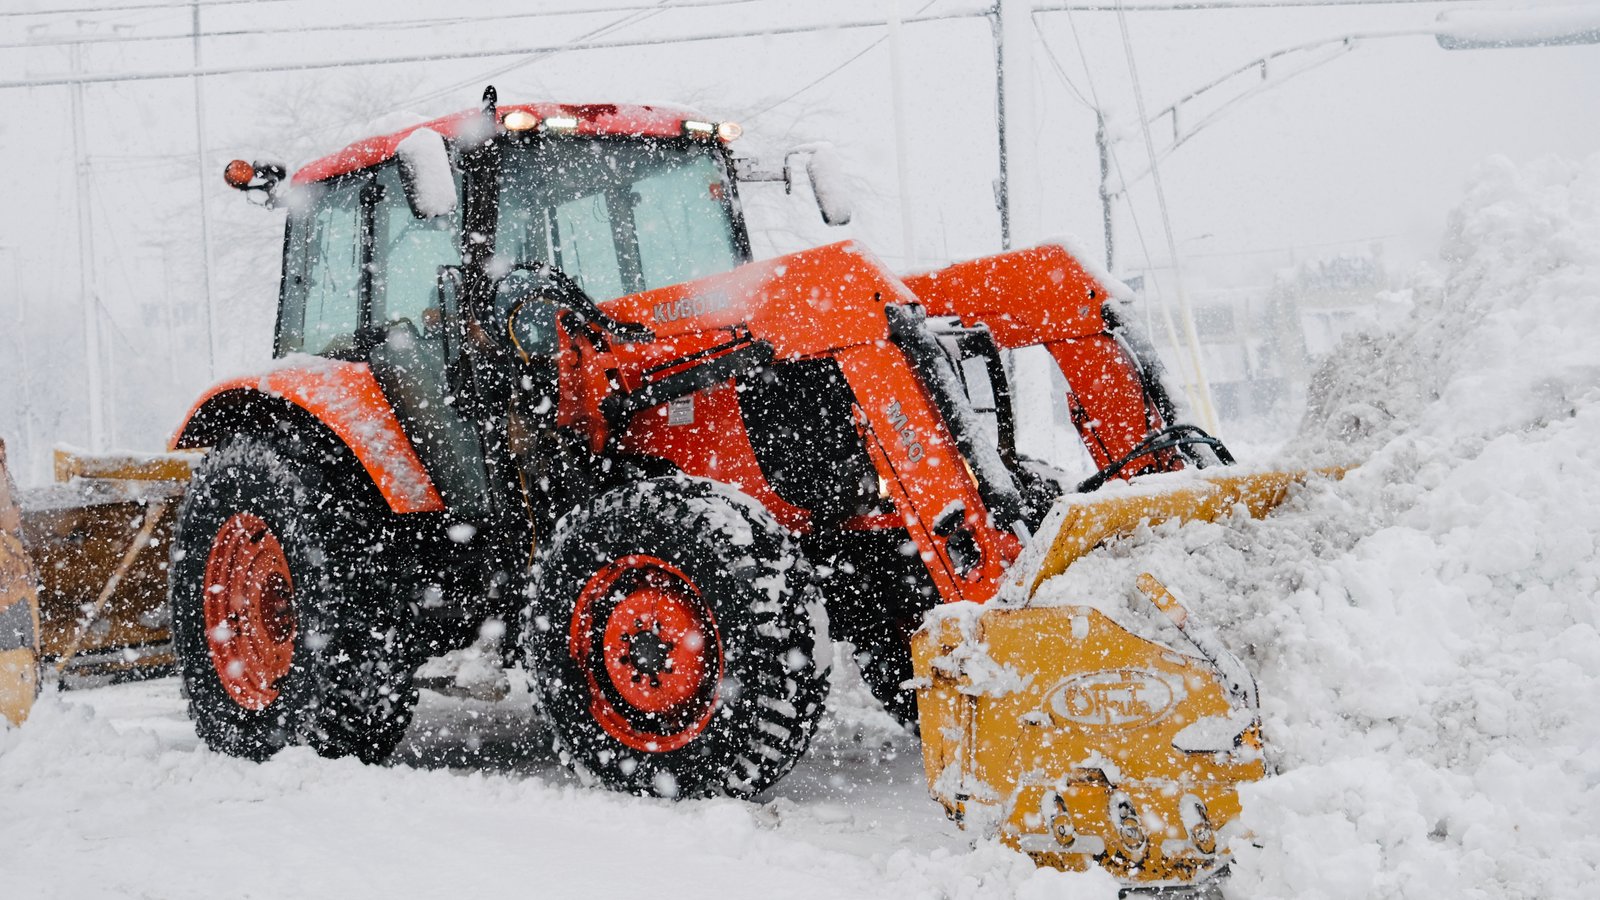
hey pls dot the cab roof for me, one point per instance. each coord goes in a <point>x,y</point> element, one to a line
<point>617,119</point>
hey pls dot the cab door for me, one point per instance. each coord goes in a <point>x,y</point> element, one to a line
<point>409,347</point>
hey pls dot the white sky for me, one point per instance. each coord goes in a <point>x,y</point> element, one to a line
<point>1371,147</point>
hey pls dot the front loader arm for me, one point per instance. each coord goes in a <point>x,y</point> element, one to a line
<point>1043,296</point>
<point>926,476</point>
<point>838,302</point>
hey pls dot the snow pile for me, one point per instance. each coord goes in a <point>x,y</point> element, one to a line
<point>1424,633</point>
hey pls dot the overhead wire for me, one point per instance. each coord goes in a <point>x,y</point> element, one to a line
<point>1203,387</point>
<point>389,25</point>
<point>1111,150</point>
<point>635,16</point>
<point>1215,5</point>
<point>131,7</point>
<point>1133,212</point>
<point>1061,72</point>
<point>701,37</point>
<point>1178,6</point>
<point>831,72</point>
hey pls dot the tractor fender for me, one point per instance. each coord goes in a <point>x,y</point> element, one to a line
<point>342,396</point>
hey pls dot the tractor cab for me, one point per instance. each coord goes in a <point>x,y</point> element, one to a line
<point>441,254</point>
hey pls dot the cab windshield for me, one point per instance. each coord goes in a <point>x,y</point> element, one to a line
<point>618,216</point>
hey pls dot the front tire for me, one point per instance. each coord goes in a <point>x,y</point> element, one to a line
<point>673,642</point>
<point>284,631</point>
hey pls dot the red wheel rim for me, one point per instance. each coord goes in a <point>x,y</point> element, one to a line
<point>648,647</point>
<point>249,610</point>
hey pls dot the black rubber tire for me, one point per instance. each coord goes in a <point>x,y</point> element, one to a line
<point>348,691</point>
<point>1041,485</point>
<point>883,655</point>
<point>878,590</point>
<point>769,624</point>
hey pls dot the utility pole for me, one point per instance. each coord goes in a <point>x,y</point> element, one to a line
<point>22,353</point>
<point>86,279</point>
<point>1002,186</point>
<point>1105,187</point>
<point>908,234</point>
<point>205,229</point>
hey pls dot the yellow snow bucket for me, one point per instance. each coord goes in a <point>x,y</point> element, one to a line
<point>1082,522</point>
<point>98,538</point>
<point>1079,743</point>
<point>1068,737</point>
<point>19,609</point>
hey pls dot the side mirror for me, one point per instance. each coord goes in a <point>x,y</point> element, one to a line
<point>426,175</point>
<point>822,168</point>
<point>828,184</point>
<point>260,177</point>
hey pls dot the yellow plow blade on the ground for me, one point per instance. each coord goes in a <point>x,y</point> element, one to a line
<point>94,544</point>
<point>19,609</point>
<point>1074,740</point>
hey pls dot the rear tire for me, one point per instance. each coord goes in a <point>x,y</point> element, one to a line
<point>673,644</point>
<point>283,625</point>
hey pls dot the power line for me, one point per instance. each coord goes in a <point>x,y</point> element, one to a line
<point>410,24</point>
<point>1177,6</point>
<point>1202,384</point>
<point>390,25</point>
<point>1061,72</point>
<point>163,159</point>
<point>132,7</point>
<point>478,54</point>
<point>1138,227</point>
<point>831,72</point>
<point>634,17</point>
<point>1209,5</point>
<point>819,79</point>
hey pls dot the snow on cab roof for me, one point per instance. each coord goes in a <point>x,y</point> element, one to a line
<point>593,119</point>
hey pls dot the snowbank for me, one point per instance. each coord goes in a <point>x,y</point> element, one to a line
<point>1424,632</point>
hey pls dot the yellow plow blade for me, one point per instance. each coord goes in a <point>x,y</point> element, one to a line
<point>1068,737</point>
<point>1082,522</point>
<point>98,538</point>
<point>19,609</point>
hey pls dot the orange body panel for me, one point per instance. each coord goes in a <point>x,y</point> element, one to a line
<point>915,453</point>
<point>806,304</point>
<point>824,302</point>
<point>712,443</point>
<point>1043,296</point>
<point>1107,400</point>
<point>1035,296</point>
<point>346,398</point>
<point>585,376</point>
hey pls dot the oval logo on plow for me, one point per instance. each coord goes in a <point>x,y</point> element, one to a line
<point>1113,698</point>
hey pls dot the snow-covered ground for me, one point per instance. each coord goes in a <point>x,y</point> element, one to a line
<point>108,793</point>
<point>1424,634</point>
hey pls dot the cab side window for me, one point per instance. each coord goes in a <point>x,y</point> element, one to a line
<point>407,254</point>
<point>321,307</point>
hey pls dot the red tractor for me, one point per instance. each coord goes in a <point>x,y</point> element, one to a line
<point>530,380</point>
